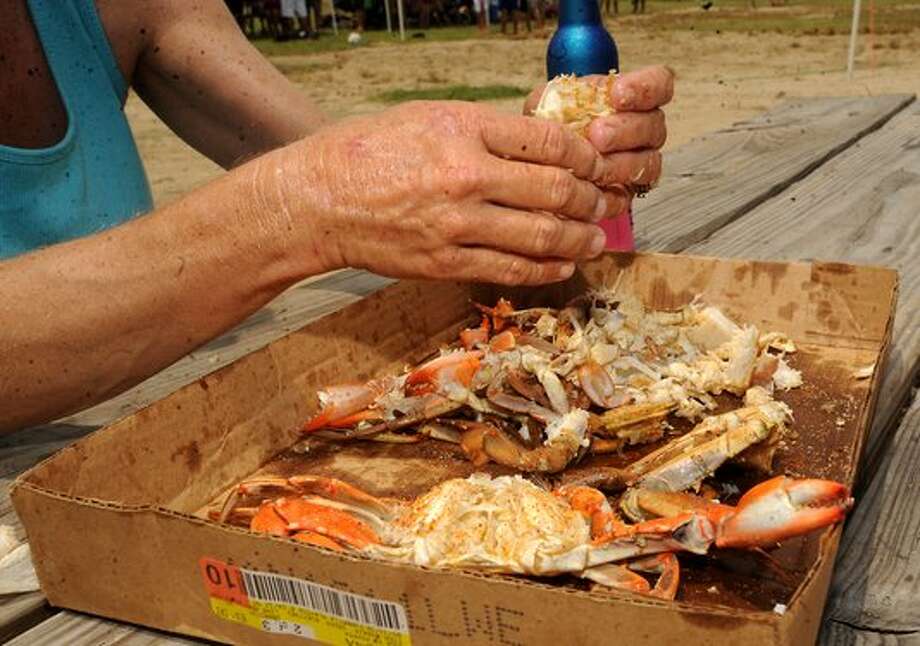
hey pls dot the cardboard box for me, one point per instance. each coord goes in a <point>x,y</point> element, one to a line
<point>115,520</point>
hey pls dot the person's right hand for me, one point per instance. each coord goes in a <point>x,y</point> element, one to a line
<point>447,191</point>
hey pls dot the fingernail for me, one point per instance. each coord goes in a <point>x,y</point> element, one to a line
<point>566,271</point>
<point>598,242</point>
<point>600,209</point>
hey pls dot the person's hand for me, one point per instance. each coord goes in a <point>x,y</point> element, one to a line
<point>631,138</point>
<point>448,191</point>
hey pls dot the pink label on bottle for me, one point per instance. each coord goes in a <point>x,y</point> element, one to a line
<point>619,232</point>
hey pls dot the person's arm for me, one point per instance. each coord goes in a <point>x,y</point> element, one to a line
<point>437,190</point>
<point>199,74</point>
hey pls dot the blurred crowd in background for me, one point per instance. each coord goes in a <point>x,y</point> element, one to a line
<point>289,19</point>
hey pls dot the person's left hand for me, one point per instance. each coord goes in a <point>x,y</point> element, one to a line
<point>632,137</point>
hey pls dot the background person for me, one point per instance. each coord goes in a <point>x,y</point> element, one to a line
<point>294,15</point>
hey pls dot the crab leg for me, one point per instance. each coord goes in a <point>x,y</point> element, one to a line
<point>301,514</point>
<point>618,577</point>
<point>626,417</point>
<point>425,408</point>
<point>623,577</point>
<point>482,442</point>
<point>254,487</point>
<point>320,540</point>
<point>688,470</point>
<point>667,568</point>
<point>680,463</point>
<point>516,404</point>
<point>341,491</point>
<point>338,402</point>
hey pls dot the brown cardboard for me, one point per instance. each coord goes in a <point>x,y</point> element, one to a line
<point>112,519</point>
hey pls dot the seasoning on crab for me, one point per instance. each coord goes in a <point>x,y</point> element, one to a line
<point>508,524</point>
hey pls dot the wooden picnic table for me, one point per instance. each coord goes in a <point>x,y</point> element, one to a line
<point>829,179</point>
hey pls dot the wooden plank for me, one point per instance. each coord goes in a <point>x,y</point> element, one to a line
<point>860,207</point>
<point>73,628</point>
<point>877,576</point>
<point>718,178</point>
<point>18,452</point>
<point>19,612</point>
<point>838,634</point>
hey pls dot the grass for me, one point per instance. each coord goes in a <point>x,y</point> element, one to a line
<point>453,93</point>
<point>796,17</point>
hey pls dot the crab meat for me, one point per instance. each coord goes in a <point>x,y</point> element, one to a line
<point>510,525</point>
<point>575,102</point>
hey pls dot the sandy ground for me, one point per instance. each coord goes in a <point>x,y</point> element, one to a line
<point>722,78</point>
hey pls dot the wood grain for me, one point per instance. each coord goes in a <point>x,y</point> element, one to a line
<point>877,575</point>
<point>73,628</point>
<point>718,178</point>
<point>860,207</point>
<point>837,634</point>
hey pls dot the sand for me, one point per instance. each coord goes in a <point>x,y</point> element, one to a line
<point>721,79</point>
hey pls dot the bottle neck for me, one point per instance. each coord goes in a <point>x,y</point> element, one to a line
<point>579,12</point>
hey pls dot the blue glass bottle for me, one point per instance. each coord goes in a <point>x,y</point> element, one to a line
<point>581,44</point>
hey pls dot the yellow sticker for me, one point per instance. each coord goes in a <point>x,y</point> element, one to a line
<point>284,605</point>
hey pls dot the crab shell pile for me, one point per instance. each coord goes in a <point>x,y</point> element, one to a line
<point>538,389</point>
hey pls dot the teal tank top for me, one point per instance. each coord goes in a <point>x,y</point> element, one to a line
<point>93,177</point>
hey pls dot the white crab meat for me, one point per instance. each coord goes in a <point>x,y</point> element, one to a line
<point>786,377</point>
<point>574,101</point>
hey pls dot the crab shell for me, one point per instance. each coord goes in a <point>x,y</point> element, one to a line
<point>505,524</point>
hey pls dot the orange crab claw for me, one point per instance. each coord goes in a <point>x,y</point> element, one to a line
<point>453,368</point>
<point>338,525</point>
<point>268,521</point>
<point>781,508</point>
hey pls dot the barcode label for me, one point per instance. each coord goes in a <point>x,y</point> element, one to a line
<point>276,588</point>
<point>275,603</point>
